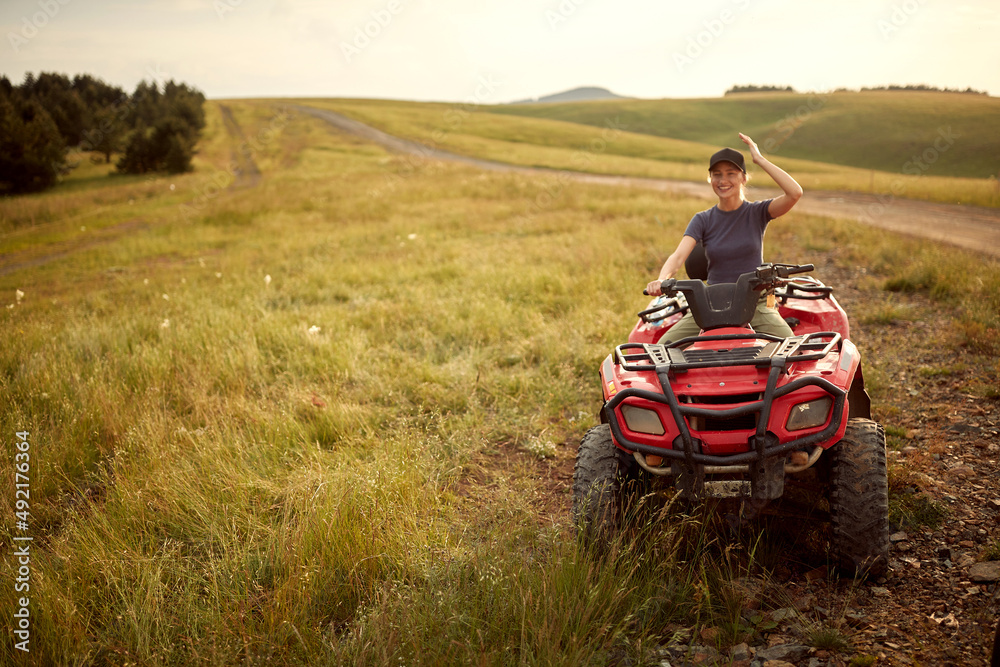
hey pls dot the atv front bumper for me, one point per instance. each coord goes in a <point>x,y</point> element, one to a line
<point>763,444</point>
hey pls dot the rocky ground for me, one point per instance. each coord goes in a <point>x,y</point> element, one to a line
<point>938,603</point>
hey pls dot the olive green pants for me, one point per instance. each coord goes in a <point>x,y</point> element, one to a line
<point>765,320</point>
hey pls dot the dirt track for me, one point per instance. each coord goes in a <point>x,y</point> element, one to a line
<point>970,227</point>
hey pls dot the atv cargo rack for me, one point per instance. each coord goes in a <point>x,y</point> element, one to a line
<point>777,354</point>
<point>808,347</point>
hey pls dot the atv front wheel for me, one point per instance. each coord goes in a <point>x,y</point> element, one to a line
<point>859,499</point>
<point>602,480</point>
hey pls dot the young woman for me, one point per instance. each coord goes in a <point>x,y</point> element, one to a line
<point>732,233</point>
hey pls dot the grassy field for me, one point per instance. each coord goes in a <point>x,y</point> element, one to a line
<point>881,130</point>
<point>615,138</point>
<point>322,418</point>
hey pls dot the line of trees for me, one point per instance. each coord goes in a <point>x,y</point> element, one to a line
<point>759,89</point>
<point>911,87</point>
<point>152,129</point>
<point>925,88</point>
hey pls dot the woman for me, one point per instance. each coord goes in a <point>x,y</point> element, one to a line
<point>732,233</point>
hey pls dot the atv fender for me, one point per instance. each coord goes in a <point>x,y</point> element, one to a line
<point>859,404</point>
<point>858,401</point>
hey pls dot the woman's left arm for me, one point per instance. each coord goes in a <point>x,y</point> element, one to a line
<point>791,190</point>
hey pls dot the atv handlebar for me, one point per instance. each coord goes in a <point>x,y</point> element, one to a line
<point>666,287</point>
<point>785,270</point>
<point>770,274</point>
<point>765,276</point>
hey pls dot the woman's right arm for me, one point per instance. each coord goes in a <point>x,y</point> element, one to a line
<point>673,264</point>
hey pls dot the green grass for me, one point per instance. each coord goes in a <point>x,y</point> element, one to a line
<point>908,507</point>
<point>888,314</point>
<point>828,639</point>
<point>225,468</point>
<point>825,127</point>
<point>352,463</point>
<point>606,138</point>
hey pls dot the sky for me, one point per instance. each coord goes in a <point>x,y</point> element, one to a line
<point>496,51</point>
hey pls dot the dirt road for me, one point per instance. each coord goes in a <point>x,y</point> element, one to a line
<point>970,227</point>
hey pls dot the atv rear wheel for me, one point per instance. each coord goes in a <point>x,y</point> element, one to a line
<point>859,499</point>
<point>600,482</point>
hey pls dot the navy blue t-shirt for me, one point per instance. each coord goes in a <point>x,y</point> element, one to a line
<point>733,240</point>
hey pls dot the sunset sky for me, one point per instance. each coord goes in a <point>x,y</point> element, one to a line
<point>494,51</point>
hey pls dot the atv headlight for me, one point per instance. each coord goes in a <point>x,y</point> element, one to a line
<point>809,414</point>
<point>642,420</point>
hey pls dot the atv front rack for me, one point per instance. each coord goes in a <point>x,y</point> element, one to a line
<point>808,347</point>
<point>776,354</point>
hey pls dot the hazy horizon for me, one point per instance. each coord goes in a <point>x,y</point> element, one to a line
<point>495,52</point>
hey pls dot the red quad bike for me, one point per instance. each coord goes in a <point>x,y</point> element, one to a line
<point>733,414</point>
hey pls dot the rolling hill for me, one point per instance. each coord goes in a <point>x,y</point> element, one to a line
<point>583,94</point>
<point>914,133</point>
<point>617,139</point>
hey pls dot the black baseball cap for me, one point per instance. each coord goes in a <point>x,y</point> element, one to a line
<point>728,155</point>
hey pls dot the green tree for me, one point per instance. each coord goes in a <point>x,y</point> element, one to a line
<point>166,126</point>
<point>32,151</point>
<point>56,95</point>
<point>107,133</point>
<point>108,109</point>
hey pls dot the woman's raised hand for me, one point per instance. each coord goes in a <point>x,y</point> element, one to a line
<point>754,151</point>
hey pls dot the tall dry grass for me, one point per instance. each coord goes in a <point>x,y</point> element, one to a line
<point>319,420</point>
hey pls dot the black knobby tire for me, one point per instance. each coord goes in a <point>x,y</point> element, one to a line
<point>859,499</point>
<point>600,480</point>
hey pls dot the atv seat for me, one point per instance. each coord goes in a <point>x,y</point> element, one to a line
<point>722,304</point>
<point>696,265</point>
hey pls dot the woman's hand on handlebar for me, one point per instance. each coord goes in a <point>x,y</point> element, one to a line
<point>658,287</point>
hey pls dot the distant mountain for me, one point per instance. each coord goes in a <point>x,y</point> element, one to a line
<point>584,94</point>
